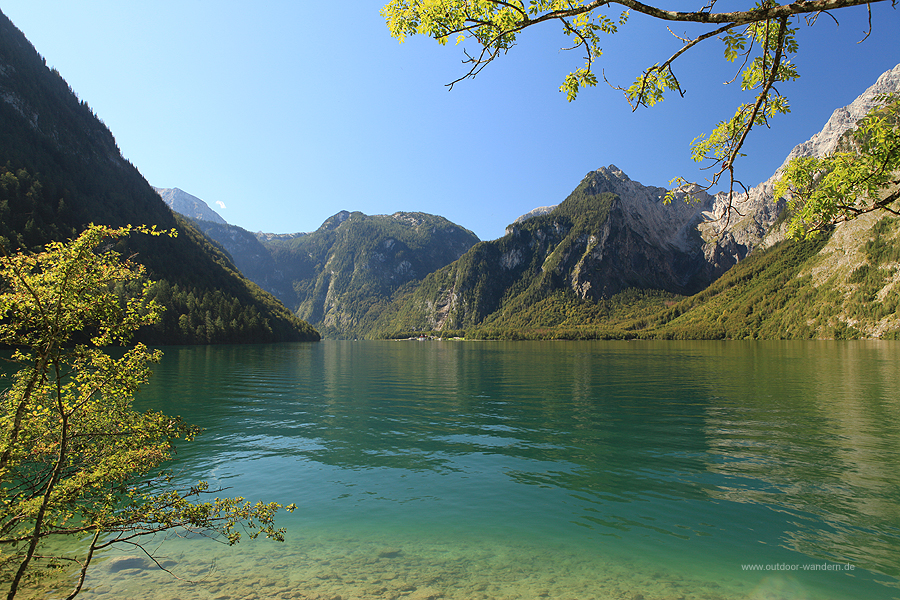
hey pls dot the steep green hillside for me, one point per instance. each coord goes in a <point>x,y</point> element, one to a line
<point>845,287</point>
<point>845,284</point>
<point>257,262</point>
<point>60,169</point>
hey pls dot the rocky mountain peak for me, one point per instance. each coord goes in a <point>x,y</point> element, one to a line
<point>727,231</point>
<point>334,221</point>
<point>661,224</point>
<point>188,205</point>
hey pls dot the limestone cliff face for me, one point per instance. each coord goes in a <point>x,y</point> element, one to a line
<point>643,242</point>
<point>844,119</point>
<point>358,261</point>
<point>732,238</point>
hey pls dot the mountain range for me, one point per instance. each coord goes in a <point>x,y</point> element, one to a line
<point>612,260</point>
<point>341,276</point>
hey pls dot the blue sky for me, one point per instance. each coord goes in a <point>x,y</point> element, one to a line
<point>287,113</point>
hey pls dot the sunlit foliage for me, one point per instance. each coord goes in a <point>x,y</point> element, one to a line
<point>76,460</point>
<point>860,177</point>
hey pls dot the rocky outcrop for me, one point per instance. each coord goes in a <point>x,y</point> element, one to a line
<point>644,242</point>
<point>844,119</point>
<point>358,261</point>
<point>536,212</point>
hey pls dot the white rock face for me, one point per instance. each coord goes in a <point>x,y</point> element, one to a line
<point>540,210</point>
<point>666,225</point>
<point>846,118</point>
<point>189,206</point>
<point>663,225</point>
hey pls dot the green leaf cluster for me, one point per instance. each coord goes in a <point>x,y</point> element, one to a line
<point>855,179</point>
<point>650,87</point>
<point>494,26</point>
<point>723,144</point>
<point>761,36</point>
<point>75,458</point>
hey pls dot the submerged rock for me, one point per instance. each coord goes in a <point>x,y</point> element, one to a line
<point>121,563</point>
<point>389,553</point>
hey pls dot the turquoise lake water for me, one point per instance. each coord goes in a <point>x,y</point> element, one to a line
<point>582,470</point>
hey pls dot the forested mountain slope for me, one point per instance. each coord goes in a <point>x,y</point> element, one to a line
<point>342,275</point>
<point>846,285</point>
<point>60,169</point>
<point>609,235</point>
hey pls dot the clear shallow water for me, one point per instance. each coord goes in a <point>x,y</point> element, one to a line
<point>540,470</point>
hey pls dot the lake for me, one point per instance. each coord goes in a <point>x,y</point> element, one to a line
<point>561,470</point>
